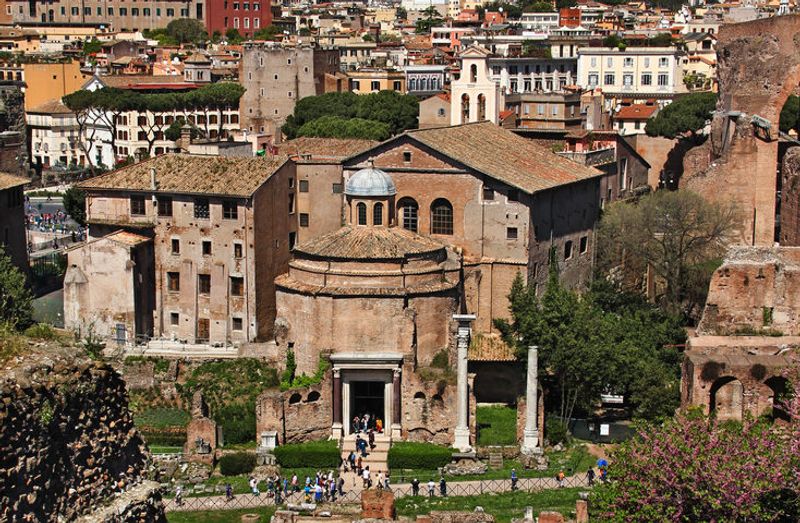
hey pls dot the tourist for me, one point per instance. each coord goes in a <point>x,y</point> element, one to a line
<point>386,481</point>
<point>307,493</point>
<point>560,478</point>
<point>352,459</point>
<point>514,479</point>
<point>254,486</point>
<point>295,486</point>
<point>318,493</point>
<point>179,496</point>
<point>379,425</point>
<point>371,437</point>
<point>380,479</point>
<point>365,422</point>
<point>358,443</point>
<point>431,488</point>
<point>228,492</point>
<point>603,474</point>
<point>332,487</point>
<point>360,465</point>
<point>340,486</point>
<point>365,477</point>
<point>443,487</point>
<point>590,477</point>
<point>415,487</point>
<point>278,492</point>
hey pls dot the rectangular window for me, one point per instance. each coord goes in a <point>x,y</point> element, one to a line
<point>397,85</point>
<point>237,286</point>
<point>165,206</point>
<point>137,205</point>
<point>568,249</point>
<point>203,328</point>
<point>627,80</point>
<point>511,233</point>
<point>608,79</point>
<point>170,12</point>
<point>204,283</point>
<point>663,62</point>
<point>173,281</point>
<point>647,79</point>
<point>175,246</point>
<point>173,318</point>
<point>201,208</point>
<point>134,11</point>
<point>303,186</point>
<point>303,219</point>
<point>291,203</point>
<point>593,79</point>
<point>584,244</point>
<point>375,85</point>
<point>663,80</point>
<point>628,62</point>
<point>206,247</point>
<point>230,210</point>
<point>337,188</point>
<point>488,193</point>
<point>237,250</point>
<point>237,324</point>
<point>123,11</point>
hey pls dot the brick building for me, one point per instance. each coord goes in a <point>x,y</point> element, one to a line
<point>12,219</point>
<point>213,235</point>
<point>246,16</point>
<point>276,77</point>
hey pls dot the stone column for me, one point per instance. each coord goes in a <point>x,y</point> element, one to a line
<point>336,429</point>
<point>397,399</point>
<point>530,438</point>
<point>461,441</point>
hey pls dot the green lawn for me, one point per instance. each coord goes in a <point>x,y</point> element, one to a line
<point>219,516</point>
<point>575,460</point>
<point>497,425</point>
<point>503,507</point>
<point>162,417</point>
<point>160,449</point>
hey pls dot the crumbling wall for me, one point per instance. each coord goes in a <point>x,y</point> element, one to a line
<point>297,415</point>
<point>758,68</point>
<point>67,439</point>
<point>790,198</point>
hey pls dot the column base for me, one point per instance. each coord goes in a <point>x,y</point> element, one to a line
<point>336,431</point>
<point>396,432</point>
<point>461,440</point>
<point>530,442</point>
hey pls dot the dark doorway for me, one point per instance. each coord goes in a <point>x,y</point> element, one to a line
<point>367,398</point>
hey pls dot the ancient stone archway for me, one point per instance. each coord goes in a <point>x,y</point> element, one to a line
<point>758,68</point>
<point>726,398</point>
<point>779,387</point>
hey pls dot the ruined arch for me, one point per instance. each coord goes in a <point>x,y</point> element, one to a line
<point>779,386</point>
<point>295,398</point>
<point>726,398</point>
<point>313,396</point>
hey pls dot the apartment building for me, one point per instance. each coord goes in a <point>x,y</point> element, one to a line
<point>54,136</point>
<point>635,72</point>
<point>119,14</point>
<point>183,247</point>
<point>246,16</point>
<point>373,79</point>
<point>44,81</point>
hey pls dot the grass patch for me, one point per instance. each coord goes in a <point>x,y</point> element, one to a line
<point>503,507</point>
<point>161,449</point>
<point>162,418</point>
<point>497,425</point>
<point>11,343</point>
<point>219,516</point>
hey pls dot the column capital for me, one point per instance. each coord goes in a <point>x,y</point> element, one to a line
<point>337,373</point>
<point>397,372</point>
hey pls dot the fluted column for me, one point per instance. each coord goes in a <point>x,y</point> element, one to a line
<point>462,436</point>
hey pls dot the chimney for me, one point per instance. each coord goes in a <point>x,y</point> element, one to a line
<point>186,138</point>
<point>153,181</point>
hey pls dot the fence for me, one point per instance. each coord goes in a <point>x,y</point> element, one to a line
<point>210,497</point>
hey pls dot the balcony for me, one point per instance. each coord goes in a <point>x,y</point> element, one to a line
<point>591,158</point>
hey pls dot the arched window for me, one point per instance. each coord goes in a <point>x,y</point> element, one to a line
<point>295,398</point>
<point>312,396</point>
<point>361,209</point>
<point>377,214</point>
<point>464,108</point>
<point>473,73</point>
<point>481,107</point>
<point>412,84</point>
<point>441,217</point>
<point>408,214</point>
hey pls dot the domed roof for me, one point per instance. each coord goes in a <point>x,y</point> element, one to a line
<point>370,182</point>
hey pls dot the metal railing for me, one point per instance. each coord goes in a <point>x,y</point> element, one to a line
<point>202,498</point>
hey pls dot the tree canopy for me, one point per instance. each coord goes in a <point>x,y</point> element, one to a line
<point>603,341</point>
<point>338,127</point>
<point>74,201</point>
<point>16,307</point>
<point>268,33</point>
<point>399,112</point>
<point>789,114</point>
<point>678,234</point>
<point>186,30</point>
<point>429,19</point>
<point>686,115</point>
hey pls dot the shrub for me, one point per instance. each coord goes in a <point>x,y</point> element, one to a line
<point>441,360</point>
<point>410,455</point>
<point>313,454</point>
<point>41,331</point>
<point>555,431</point>
<point>238,422</point>
<point>237,463</point>
<point>167,437</point>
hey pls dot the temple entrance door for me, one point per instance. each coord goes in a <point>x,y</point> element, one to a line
<point>367,397</point>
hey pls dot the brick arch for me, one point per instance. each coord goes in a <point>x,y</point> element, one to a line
<point>726,398</point>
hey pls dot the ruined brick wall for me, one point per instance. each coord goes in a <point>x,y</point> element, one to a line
<point>67,438</point>
<point>297,415</point>
<point>755,289</point>
<point>790,198</point>
<point>758,67</point>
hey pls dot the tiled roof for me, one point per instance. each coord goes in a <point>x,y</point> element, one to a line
<point>197,58</point>
<point>325,148</point>
<point>8,181</point>
<point>127,238</point>
<point>126,81</point>
<point>636,112</point>
<point>504,156</point>
<point>187,174</point>
<point>55,106</point>
<point>489,347</point>
<point>373,243</point>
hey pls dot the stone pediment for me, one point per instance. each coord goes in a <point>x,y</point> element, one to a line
<point>475,51</point>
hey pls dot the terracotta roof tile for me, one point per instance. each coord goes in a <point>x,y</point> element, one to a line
<point>325,148</point>
<point>187,174</point>
<point>373,243</point>
<point>126,81</point>
<point>127,238</point>
<point>636,112</point>
<point>504,156</point>
<point>55,106</point>
<point>8,181</point>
